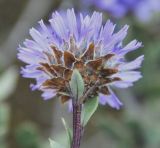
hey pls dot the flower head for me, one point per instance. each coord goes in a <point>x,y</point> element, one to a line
<point>85,44</point>
<point>142,9</point>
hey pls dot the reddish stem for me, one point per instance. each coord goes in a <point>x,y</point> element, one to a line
<point>77,128</point>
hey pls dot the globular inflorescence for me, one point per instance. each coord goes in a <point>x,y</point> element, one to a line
<point>81,43</point>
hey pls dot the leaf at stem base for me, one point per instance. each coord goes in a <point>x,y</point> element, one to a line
<point>88,110</point>
<point>55,144</point>
<point>69,133</point>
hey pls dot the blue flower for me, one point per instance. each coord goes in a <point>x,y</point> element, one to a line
<point>144,10</point>
<point>81,42</point>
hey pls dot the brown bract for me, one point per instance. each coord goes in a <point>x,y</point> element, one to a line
<point>91,68</point>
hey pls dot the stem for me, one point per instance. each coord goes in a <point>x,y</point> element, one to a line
<point>88,92</point>
<point>77,128</point>
<point>77,109</point>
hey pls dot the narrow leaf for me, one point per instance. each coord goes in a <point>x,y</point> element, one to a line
<point>68,131</point>
<point>55,144</point>
<point>77,84</point>
<point>88,109</point>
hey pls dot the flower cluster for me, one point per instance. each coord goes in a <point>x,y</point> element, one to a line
<point>82,43</point>
<point>142,9</point>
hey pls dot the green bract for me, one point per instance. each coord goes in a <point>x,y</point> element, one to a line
<point>88,109</point>
<point>77,84</point>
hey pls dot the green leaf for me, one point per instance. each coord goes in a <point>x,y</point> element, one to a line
<point>68,131</point>
<point>8,82</point>
<point>77,84</point>
<point>88,109</point>
<point>55,144</point>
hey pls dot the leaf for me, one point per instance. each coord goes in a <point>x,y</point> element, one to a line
<point>8,83</point>
<point>88,109</point>
<point>68,131</point>
<point>77,84</point>
<point>55,144</point>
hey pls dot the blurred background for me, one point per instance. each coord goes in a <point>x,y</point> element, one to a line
<point>26,121</point>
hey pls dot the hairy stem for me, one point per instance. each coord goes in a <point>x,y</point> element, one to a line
<point>77,128</point>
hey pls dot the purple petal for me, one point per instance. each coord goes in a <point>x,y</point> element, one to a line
<point>70,107</point>
<point>72,23</point>
<point>107,31</point>
<point>58,25</point>
<point>132,65</point>
<point>122,84</point>
<point>128,76</point>
<point>133,45</point>
<point>111,100</point>
<point>48,94</point>
<point>39,38</point>
<point>116,39</point>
